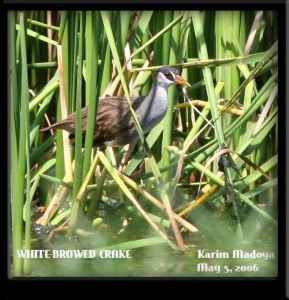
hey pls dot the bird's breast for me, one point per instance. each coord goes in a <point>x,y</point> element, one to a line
<point>153,111</point>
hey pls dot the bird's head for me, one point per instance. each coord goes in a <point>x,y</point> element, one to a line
<point>168,76</point>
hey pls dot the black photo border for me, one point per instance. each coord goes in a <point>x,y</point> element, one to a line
<point>195,287</point>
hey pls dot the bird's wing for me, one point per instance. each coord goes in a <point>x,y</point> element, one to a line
<point>69,124</point>
<point>114,120</point>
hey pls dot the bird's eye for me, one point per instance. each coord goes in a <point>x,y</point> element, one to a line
<point>169,75</point>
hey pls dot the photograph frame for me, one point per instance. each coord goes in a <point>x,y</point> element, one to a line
<point>281,210</point>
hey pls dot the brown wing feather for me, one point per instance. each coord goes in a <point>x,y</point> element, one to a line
<point>114,124</point>
<point>69,123</point>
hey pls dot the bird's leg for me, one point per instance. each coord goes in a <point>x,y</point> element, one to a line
<point>146,149</point>
<point>128,153</point>
<point>126,156</point>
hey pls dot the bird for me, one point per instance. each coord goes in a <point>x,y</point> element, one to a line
<point>115,126</point>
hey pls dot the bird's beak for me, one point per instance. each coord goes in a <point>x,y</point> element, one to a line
<point>180,80</point>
